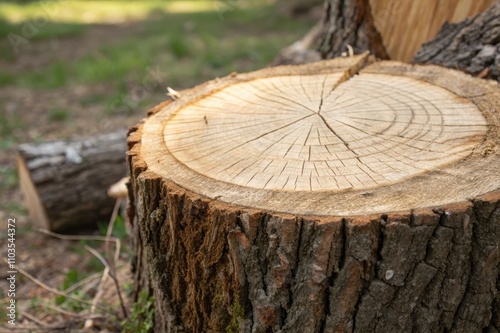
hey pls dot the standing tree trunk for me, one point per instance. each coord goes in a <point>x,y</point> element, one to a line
<point>339,196</point>
<point>472,45</point>
<point>392,29</point>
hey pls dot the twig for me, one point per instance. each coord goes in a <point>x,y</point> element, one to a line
<point>69,313</point>
<point>40,322</point>
<point>111,224</point>
<point>48,288</point>
<point>112,266</point>
<point>96,238</point>
<point>83,282</point>
<point>111,275</point>
<point>90,322</point>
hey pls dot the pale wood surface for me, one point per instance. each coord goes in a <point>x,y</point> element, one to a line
<point>297,133</point>
<point>306,139</point>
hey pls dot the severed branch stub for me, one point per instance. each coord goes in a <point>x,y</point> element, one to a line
<point>338,196</point>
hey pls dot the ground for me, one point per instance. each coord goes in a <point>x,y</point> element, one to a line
<point>81,68</point>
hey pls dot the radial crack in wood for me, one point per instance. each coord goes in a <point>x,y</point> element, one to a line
<point>338,196</point>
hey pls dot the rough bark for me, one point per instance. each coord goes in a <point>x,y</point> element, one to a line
<point>472,45</point>
<point>387,28</point>
<point>65,183</point>
<point>345,22</point>
<point>217,266</point>
<point>350,22</point>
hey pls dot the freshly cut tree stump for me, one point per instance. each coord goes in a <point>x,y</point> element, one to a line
<point>338,196</point>
<point>65,183</point>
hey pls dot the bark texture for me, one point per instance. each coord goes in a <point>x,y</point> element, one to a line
<point>350,22</point>
<point>213,266</point>
<point>472,45</point>
<point>345,22</point>
<point>65,183</point>
<point>396,29</point>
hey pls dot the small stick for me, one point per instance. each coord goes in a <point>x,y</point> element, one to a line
<point>82,282</point>
<point>111,224</point>
<point>90,322</point>
<point>40,322</point>
<point>111,275</point>
<point>65,312</point>
<point>48,288</point>
<point>96,238</point>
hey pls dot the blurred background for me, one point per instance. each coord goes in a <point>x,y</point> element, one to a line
<point>81,68</point>
<point>71,69</point>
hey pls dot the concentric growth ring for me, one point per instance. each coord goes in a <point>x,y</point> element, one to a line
<point>321,132</point>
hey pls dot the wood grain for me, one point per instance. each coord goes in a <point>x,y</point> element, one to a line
<point>306,139</point>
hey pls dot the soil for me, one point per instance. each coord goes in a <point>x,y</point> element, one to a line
<point>48,259</point>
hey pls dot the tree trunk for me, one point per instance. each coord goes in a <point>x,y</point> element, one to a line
<point>472,45</point>
<point>339,196</point>
<point>387,28</point>
<point>65,182</point>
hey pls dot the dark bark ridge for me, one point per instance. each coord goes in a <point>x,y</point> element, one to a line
<point>472,45</point>
<point>350,22</point>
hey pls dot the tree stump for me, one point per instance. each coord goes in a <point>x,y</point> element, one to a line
<point>338,196</point>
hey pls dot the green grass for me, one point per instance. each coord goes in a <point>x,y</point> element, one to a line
<point>6,79</point>
<point>141,318</point>
<point>59,114</point>
<point>190,47</point>
<point>10,126</point>
<point>15,35</point>
<point>8,178</point>
<point>14,207</point>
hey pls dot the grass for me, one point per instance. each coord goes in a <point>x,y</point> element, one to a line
<point>8,178</point>
<point>191,47</point>
<point>14,207</point>
<point>10,124</point>
<point>14,35</point>
<point>142,317</point>
<point>97,11</point>
<point>59,114</point>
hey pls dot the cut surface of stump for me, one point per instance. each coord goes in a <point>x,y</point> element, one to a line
<point>303,138</point>
<point>338,196</point>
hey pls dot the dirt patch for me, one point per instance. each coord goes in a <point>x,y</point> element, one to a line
<point>31,118</point>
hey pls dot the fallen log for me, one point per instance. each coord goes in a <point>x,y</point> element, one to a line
<point>65,183</point>
<point>338,196</point>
